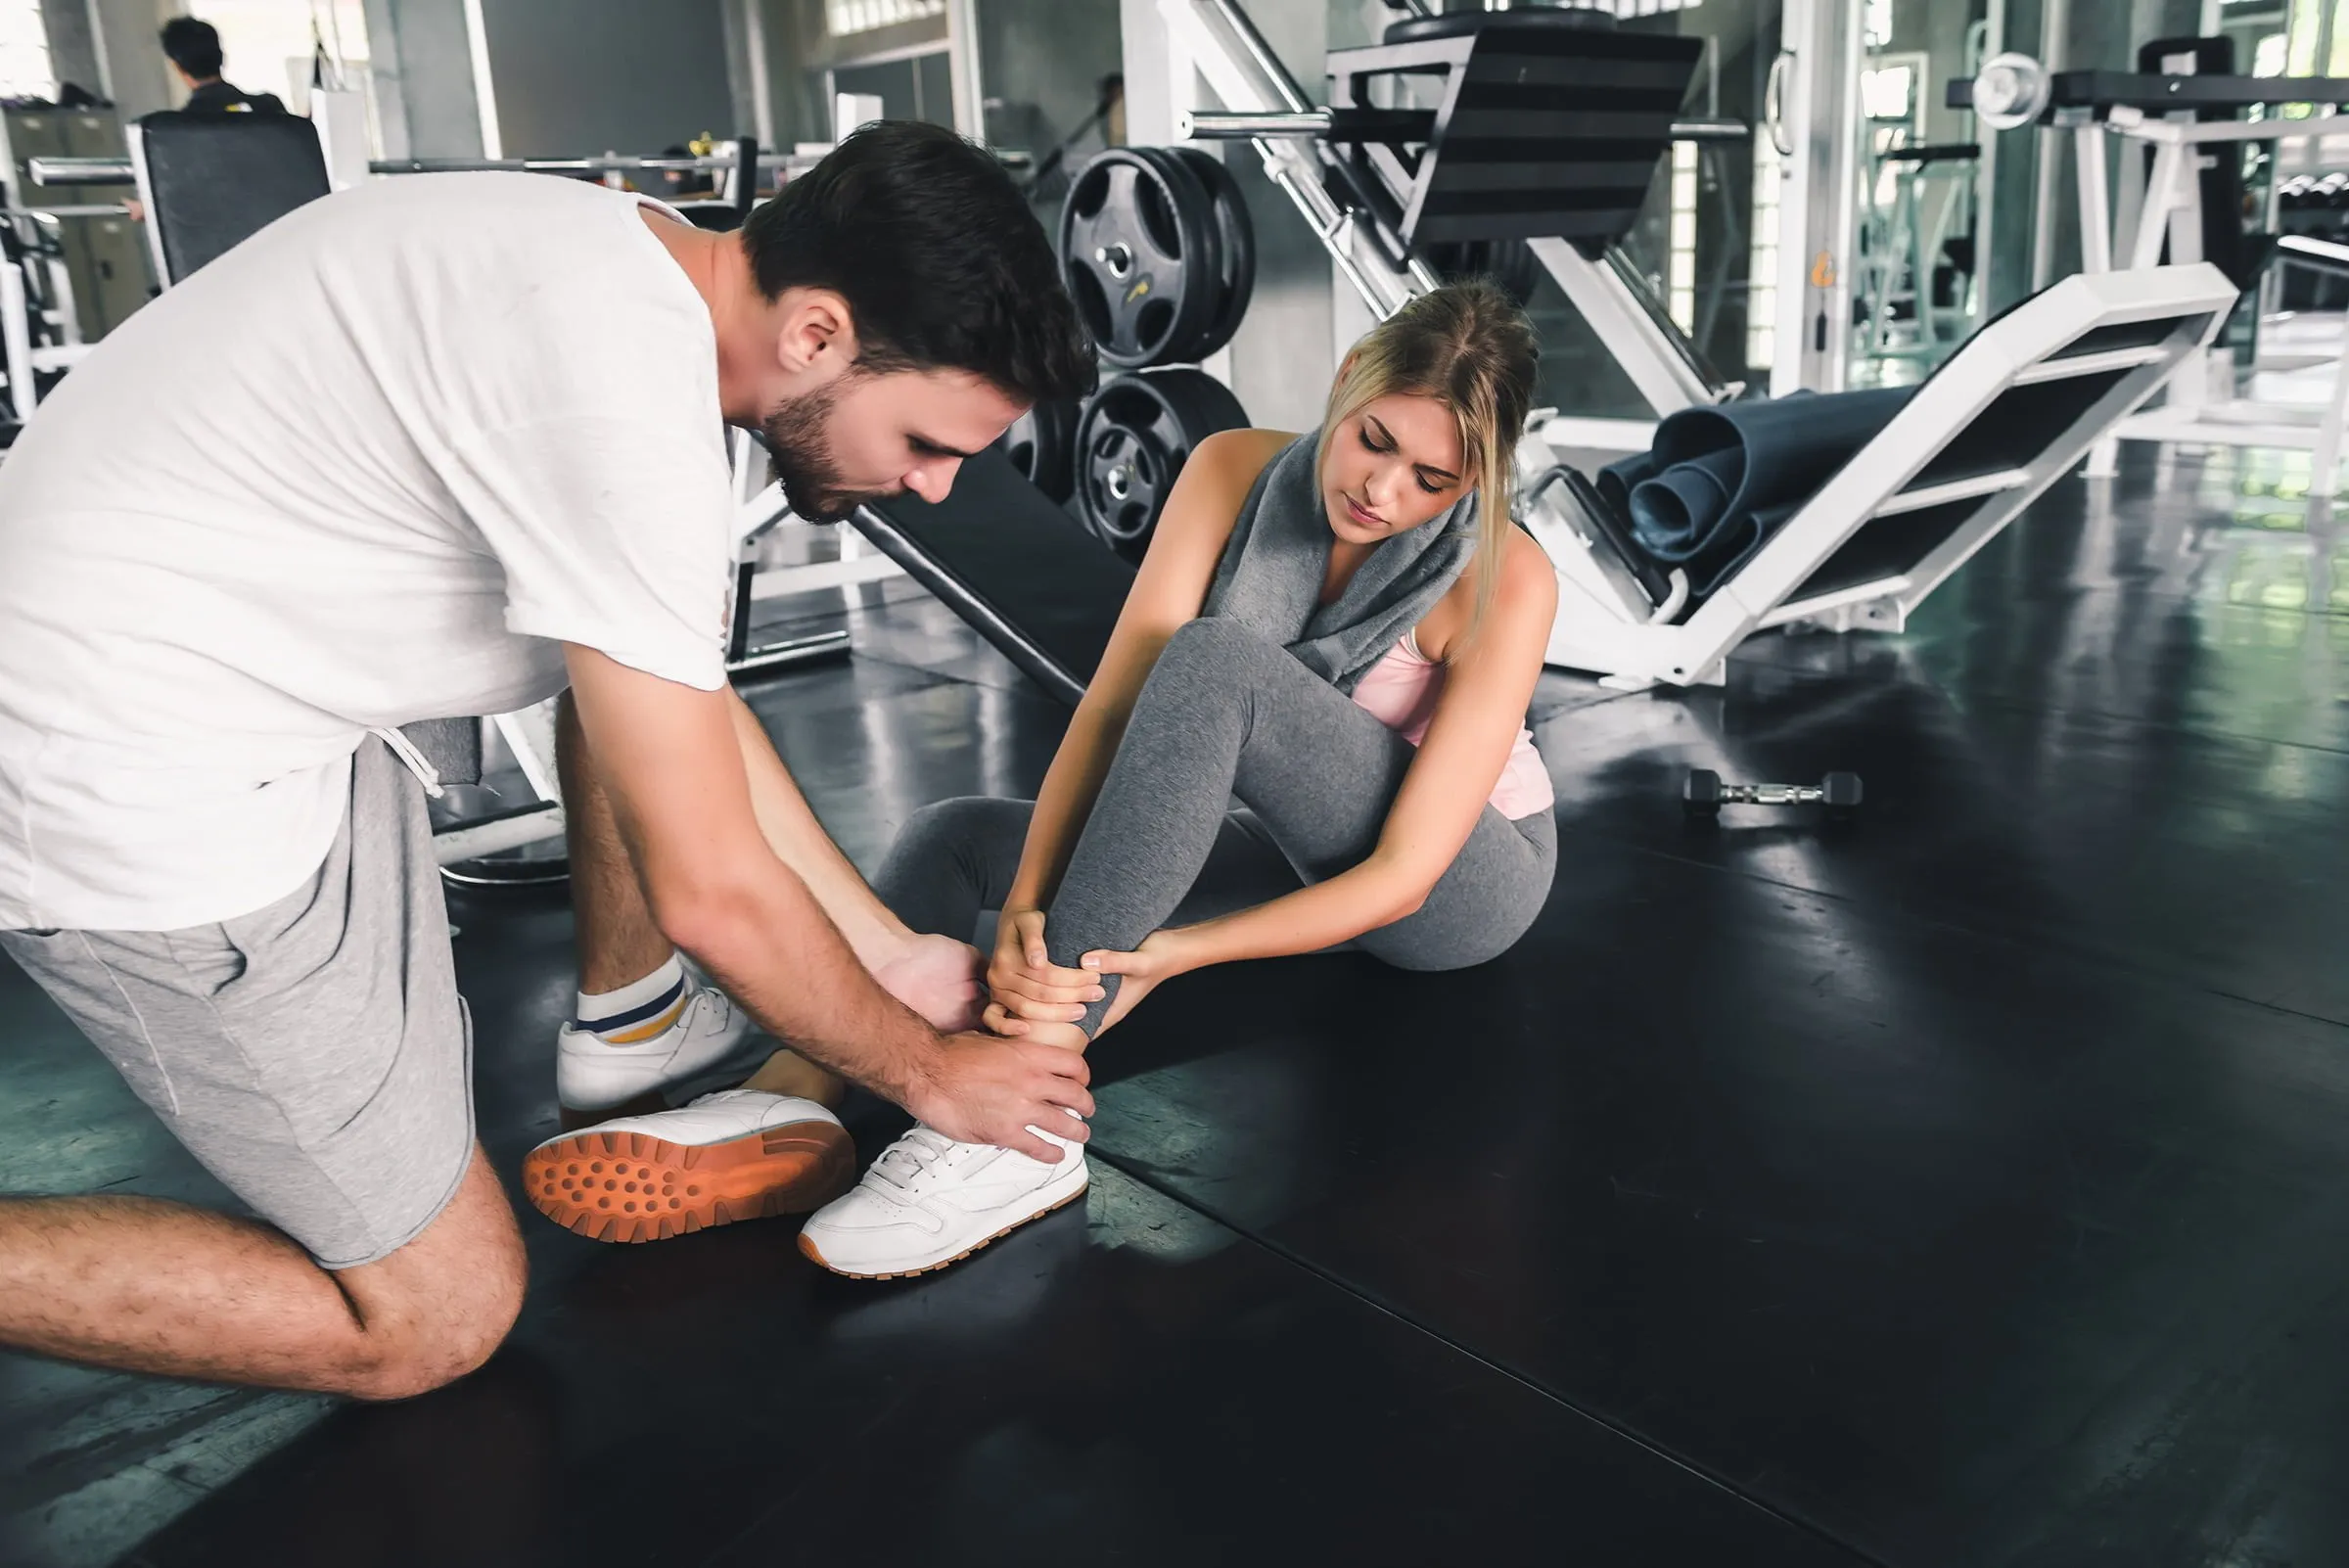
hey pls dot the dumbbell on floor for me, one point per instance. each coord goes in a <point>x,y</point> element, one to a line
<point>1704,794</point>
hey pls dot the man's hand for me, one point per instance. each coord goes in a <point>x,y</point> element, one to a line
<point>1025,984</point>
<point>939,978</point>
<point>981,1089</point>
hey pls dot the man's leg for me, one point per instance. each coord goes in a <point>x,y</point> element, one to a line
<point>619,943</point>
<point>315,1056</point>
<point>618,939</point>
<point>150,1286</point>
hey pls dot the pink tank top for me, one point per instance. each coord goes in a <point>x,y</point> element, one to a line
<point>1400,691</point>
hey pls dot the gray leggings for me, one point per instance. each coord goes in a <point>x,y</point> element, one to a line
<point>1224,713</point>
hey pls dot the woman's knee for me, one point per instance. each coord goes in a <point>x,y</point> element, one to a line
<point>1216,643</point>
<point>1208,662</point>
<point>1444,936</point>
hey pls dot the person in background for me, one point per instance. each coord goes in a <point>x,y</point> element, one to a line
<point>194,48</point>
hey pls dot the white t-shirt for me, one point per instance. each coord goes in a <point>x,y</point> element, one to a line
<point>374,465</point>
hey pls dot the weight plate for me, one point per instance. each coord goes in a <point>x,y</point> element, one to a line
<point>1237,233</point>
<point>2009,91</point>
<point>1203,273</point>
<point>1136,243</point>
<point>1041,444</point>
<point>1136,433</point>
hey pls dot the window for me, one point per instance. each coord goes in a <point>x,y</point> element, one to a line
<point>845,16</point>
<point>268,43</point>
<point>24,68</point>
<point>1762,287</point>
<point>1876,24</point>
<point>1680,263</point>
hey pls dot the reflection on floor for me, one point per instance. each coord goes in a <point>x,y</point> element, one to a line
<point>1964,1186</point>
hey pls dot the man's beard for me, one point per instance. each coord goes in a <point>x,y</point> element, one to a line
<point>801,460</point>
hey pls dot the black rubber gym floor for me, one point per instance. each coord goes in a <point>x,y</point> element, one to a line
<point>1964,1186</point>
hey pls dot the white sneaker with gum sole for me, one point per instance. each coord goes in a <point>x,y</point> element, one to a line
<point>930,1201</point>
<point>739,1154</point>
<point>594,1076</point>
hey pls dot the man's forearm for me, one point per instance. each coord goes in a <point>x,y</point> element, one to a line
<point>799,841</point>
<point>772,946</point>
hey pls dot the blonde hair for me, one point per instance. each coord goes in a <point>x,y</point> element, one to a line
<point>1469,347</point>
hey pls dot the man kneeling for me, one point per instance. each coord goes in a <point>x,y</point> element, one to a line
<point>444,445</point>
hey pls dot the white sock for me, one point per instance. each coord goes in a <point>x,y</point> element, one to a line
<point>639,1010</point>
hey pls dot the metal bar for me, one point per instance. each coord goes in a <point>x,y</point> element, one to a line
<point>2106,89</point>
<point>1711,128</point>
<point>1656,362</point>
<point>2169,132</point>
<point>1373,125</point>
<point>2162,196</point>
<point>1215,125</point>
<point>2091,364</point>
<point>470,841</point>
<point>17,338</point>
<point>80,171</point>
<point>716,164</point>
<point>773,656</point>
<point>2096,206</point>
<point>2322,252</point>
<point>117,171</point>
<point>1965,489</point>
<point>1242,72</point>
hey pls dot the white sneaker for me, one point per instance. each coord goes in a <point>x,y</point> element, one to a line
<point>592,1074</point>
<point>739,1154</point>
<point>930,1201</point>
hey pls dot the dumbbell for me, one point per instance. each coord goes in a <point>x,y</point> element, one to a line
<point>1705,794</point>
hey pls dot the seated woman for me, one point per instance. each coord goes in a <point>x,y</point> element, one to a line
<point>1343,631</point>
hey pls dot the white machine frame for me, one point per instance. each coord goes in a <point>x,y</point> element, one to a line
<point>2124,224</point>
<point>23,363</point>
<point>1216,38</point>
<point>1604,624</point>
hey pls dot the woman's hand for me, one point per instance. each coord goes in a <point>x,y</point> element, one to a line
<point>1162,957</point>
<point>1027,987</point>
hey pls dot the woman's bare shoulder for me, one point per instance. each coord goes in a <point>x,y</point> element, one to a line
<point>1238,456</point>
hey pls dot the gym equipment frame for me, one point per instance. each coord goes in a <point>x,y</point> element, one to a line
<point>1299,145</point>
<point>2011,411</point>
<point>2127,218</point>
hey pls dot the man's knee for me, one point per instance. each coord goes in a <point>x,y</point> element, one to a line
<point>430,1352</point>
<point>441,1305</point>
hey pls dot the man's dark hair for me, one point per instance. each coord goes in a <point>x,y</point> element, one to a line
<point>941,261</point>
<point>193,46</point>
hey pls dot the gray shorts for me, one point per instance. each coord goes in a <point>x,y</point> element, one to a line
<point>313,1054</point>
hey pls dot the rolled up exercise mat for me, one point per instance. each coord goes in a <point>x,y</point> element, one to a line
<point>1719,481</point>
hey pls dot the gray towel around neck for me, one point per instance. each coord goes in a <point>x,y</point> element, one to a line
<point>1270,576</point>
